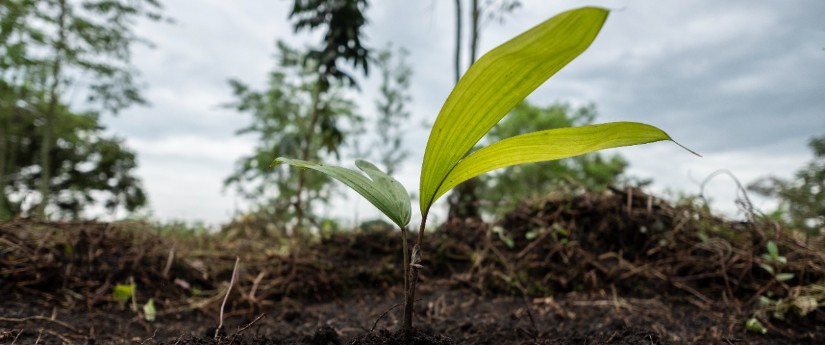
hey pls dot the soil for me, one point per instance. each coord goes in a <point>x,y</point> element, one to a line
<point>616,268</point>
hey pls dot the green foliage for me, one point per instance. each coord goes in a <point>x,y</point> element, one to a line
<point>495,84</point>
<point>753,325</point>
<point>47,48</point>
<point>489,90</point>
<point>123,293</point>
<point>504,188</point>
<point>69,37</point>
<point>773,262</point>
<point>150,313</point>
<point>802,199</point>
<point>89,168</point>
<point>383,191</point>
<point>281,119</point>
<point>343,21</point>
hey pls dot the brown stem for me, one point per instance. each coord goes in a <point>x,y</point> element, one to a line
<point>406,255</point>
<point>5,211</point>
<point>413,267</point>
<point>48,130</point>
<point>310,133</point>
<point>457,40</point>
<point>476,12</point>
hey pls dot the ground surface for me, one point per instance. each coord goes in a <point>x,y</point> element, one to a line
<point>623,268</point>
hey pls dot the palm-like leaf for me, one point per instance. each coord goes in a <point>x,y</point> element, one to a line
<point>380,189</point>
<point>496,83</point>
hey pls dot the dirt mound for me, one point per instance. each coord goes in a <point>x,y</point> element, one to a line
<point>618,267</point>
<point>630,241</point>
<point>71,263</point>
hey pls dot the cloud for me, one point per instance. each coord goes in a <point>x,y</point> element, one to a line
<point>739,81</point>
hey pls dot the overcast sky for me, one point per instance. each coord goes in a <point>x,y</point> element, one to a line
<point>741,82</point>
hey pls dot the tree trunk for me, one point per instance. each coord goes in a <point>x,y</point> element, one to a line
<point>457,40</point>
<point>5,132</point>
<point>51,113</point>
<point>463,200</point>
<point>474,33</point>
<point>307,150</point>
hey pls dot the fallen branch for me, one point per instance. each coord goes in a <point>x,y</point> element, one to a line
<point>242,329</point>
<point>226,297</point>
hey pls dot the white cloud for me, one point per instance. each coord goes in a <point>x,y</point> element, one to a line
<point>740,81</point>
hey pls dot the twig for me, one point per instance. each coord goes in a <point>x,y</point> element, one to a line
<point>226,297</point>
<point>15,337</point>
<point>746,200</point>
<point>41,318</point>
<point>384,314</point>
<point>150,338</point>
<point>169,260</point>
<point>60,336</point>
<point>242,329</point>
<point>532,321</point>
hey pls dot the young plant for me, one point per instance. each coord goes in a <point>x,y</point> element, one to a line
<point>485,94</point>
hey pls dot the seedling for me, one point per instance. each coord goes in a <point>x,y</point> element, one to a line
<point>485,94</point>
<point>123,293</point>
<point>774,261</point>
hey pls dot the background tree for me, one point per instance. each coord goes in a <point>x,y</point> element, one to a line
<point>280,119</point>
<point>89,170</point>
<point>802,198</point>
<point>68,45</point>
<point>342,22</point>
<point>503,189</point>
<point>392,109</point>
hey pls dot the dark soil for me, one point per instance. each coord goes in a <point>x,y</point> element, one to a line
<point>618,268</point>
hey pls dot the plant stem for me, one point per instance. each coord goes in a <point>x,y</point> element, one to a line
<point>406,254</point>
<point>407,323</point>
<point>413,266</point>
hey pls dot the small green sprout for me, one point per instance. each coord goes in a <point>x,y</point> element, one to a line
<point>774,261</point>
<point>753,325</point>
<point>123,293</point>
<point>149,311</point>
<point>489,90</point>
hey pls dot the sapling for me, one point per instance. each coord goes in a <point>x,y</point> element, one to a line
<point>485,94</point>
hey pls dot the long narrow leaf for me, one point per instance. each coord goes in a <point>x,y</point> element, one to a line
<point>496,83</point>
<point>380,189</point>
<point>550,145</point>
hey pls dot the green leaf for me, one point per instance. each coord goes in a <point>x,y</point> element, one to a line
<point>753,325</point>
<point>550,145</point>
<point>380,189</point>
<point>773,250</point>
<point>784,276</point>
<point>496,83</point>
<point>149,311</point>
<point>122,293</point>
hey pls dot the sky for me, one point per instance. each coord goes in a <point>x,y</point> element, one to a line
<point>741,82</point>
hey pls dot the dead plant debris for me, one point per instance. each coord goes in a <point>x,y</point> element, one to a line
<point>622,267</point>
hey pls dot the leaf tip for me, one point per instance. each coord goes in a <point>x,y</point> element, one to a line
<point>685,147</point>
